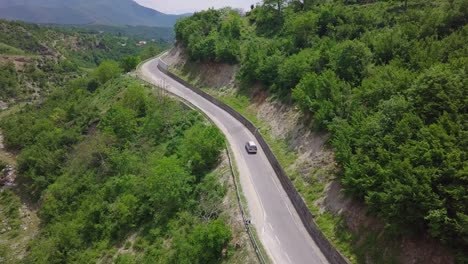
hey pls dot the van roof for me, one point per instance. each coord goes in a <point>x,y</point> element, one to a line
<point>251,143</point>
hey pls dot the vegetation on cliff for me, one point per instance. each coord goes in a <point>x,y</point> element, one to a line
<point>388,79</point>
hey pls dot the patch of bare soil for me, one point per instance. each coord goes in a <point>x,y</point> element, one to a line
<point>209,74</point>
<point>20,62</point>
<point>176,57</point>
<point>125,248</point>
<point>7,166</point>
<point>3,105</point>
<point>287,123</point>
<point>8,176</point>
<point>17,241</point>
<point>14,241</point>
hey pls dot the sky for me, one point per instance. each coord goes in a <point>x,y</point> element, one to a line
<point>189,6</point>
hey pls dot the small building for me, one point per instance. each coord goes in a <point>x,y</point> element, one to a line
<point>141,43</point>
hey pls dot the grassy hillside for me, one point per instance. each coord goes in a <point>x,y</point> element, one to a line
<point>387,79</point>
<point>35,58</point>
<point>115,163</point>
<point>84,46</point>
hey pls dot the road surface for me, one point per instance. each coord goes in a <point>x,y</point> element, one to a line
<point>278,225</point>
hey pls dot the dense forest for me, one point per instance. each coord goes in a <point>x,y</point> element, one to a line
<point>118,174</point>
<point>388,79</point>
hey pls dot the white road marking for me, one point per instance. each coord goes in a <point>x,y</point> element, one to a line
<point>271,227</point>
<point>277,240</point>
<point>289,209</point>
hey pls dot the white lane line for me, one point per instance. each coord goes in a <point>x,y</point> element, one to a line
<point>271,227</point>
<point>289,209</point>
<point>287,256</point>
<point>277,240</point>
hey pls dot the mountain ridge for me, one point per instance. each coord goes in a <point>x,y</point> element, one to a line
<point>102,12</point>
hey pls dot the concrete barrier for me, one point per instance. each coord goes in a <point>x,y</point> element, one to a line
<point>327,248</point>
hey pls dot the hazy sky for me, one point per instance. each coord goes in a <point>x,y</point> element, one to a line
<point>188,6</point>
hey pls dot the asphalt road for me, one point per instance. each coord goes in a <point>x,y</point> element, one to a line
<point>277,223</point>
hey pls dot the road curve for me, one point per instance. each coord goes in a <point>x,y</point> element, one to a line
<point>272,214</point>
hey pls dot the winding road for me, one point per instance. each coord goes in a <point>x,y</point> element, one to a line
<point>278,225</point>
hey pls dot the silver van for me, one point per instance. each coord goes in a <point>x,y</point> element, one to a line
<point>251,147</point>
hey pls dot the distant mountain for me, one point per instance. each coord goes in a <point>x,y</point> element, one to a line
<point>102,12</point>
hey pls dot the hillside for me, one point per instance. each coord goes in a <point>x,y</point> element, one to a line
<point>385,82</point>
<point>102,12</point>
<point>97,167</point>
<point>34,59</point>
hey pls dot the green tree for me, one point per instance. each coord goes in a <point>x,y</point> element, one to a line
<point>203,245</point>
<point>129,63</point>
<point>136,99</point>
<point>276,4</point>
<point>8,81</point>
<point>291,71</point>
<point>350,60</point>
<point>211,239</point>
<point>303,28</point>
<point>200,148</point>
<point>268,18</point>
<point>106,71</point>
<point>440,90</point>
<point>325,95</point>
<point>383,82</point>
<point>150,51</point>
<point>121,122</point>
<point>167,188</point>
<point>227,50</point>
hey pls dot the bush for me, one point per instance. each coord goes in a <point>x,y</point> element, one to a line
<point>200,148</point>
<point>293,68</point>
<point>350,61</point>
<point>325,95</point>
<point>203,245</point>
<point>8,81</point>
<point>211,35</point>
<point>121,122</point>
<point>129,63</point>
<point>106,71</point>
